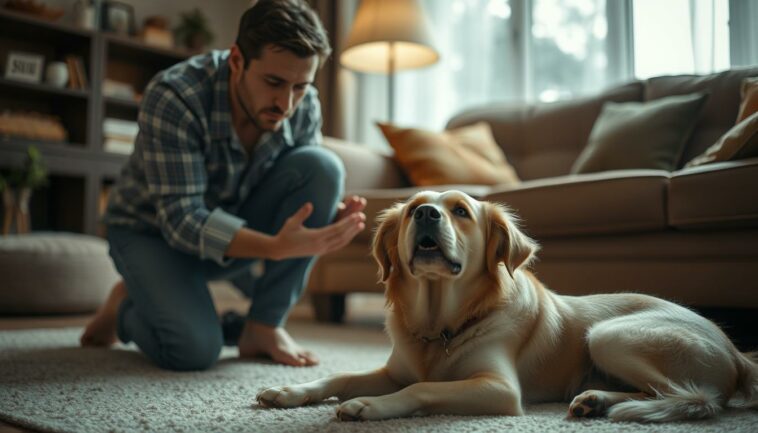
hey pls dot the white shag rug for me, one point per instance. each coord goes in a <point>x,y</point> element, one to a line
<point>48,383</point>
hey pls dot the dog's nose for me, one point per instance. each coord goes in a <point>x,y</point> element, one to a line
<point>427,214</point>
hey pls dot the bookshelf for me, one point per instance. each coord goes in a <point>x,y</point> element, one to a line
<point>80,170</point>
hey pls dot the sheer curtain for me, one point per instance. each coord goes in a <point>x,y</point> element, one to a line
<point>475,40</point>
<point>567,49</point>
<point>494,51</point>
<point>684,37</point>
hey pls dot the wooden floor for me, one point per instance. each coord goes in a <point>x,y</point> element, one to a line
<point>363,309</point>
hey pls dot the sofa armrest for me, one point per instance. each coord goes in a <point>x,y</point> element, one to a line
<point>366,168</point>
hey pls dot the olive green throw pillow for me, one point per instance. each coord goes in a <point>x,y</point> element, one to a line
<point>633,135</point>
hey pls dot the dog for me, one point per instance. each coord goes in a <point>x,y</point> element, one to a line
<point>475,333</point>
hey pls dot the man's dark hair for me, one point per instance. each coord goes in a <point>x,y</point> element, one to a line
<point>288,24</point>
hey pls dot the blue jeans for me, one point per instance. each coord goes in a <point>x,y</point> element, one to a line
<point>169,312</point>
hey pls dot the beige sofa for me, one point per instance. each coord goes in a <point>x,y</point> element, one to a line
<point>690,235</point>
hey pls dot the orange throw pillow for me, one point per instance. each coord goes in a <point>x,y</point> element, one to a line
<point>466,155</point>
<point>749,98</point>
<point>739,142</point>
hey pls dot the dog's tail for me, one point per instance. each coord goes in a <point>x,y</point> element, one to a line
<point>747,378</point>
<point>681,402</point>
<point>690,401</point>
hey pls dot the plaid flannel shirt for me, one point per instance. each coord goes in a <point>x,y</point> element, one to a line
<point>189,173</point>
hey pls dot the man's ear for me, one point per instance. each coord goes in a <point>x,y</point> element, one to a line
<point>505,242</point>
<point>236,60</point>
<point>384,246</point>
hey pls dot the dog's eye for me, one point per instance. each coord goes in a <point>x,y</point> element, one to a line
<point>460,211</point>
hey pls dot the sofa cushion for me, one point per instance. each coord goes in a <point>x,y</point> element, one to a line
<point>466,155</point>
<point>719,112</point>
<point>607,202</point>
<point>543,140</point>
<point>722,194</point>
<point>634,135</point>
<point>379,199</point>
<point>343,270</point>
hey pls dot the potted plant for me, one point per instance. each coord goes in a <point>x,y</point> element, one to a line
<point>193,31</point>
<point>17,186</point>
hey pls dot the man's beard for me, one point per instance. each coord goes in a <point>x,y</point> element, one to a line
<point>263,126</point>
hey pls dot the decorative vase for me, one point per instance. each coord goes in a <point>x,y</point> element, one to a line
<point>84,14</point>
<point>16,210</point>
<point>57,74</point>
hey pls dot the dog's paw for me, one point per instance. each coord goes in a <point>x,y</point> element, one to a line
<point>283,396</point>
<point>358,409</point>
<point>588,404</point>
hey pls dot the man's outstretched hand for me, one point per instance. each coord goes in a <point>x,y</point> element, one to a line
<point>296,240</point>
<point>350,206</point>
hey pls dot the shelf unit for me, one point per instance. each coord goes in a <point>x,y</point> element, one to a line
<point>79,169</point>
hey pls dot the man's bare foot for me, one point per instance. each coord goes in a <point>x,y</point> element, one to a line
<point>101,330</point>
<point>258,339</point>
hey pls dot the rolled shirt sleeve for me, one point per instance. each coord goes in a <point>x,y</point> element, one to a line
<point>171,141</point>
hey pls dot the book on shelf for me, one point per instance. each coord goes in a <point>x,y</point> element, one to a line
<point>81,71</point>
<point>119,127</point>
<point>117,89</point>
<point>118,145</point>
<point>77,74</point>
<point>119,135</point>
<point>73,78</point>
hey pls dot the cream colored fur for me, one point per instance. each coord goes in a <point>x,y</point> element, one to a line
<point>627,356</point>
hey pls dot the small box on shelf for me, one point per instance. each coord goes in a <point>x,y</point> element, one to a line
<point>23,66</point>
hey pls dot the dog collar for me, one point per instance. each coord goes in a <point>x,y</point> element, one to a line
<point>446,336</point>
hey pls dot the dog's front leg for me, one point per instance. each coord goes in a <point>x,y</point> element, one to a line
<point>484,394</point>
<point>342,386</point>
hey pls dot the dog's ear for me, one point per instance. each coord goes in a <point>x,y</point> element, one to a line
<point>505,242</point>
<point>384,246</point>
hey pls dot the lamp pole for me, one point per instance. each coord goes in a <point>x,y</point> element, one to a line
<point>391,86</point>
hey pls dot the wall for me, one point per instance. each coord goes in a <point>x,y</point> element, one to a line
<point>223,15</point>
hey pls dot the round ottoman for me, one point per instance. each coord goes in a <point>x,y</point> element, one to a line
<point>54,272</point>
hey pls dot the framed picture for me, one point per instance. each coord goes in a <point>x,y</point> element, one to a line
<point>118,17</point>
<point>24,67</point>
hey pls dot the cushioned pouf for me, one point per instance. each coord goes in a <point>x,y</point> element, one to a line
<point>54,272</point>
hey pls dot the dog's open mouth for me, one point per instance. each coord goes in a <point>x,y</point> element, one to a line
<point>428,250</point>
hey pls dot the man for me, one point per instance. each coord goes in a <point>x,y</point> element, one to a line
<point>227,177</point>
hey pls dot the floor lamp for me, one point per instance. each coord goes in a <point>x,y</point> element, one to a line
<point>388,36</point>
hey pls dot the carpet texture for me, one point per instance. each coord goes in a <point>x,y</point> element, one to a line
<point>48,383</point>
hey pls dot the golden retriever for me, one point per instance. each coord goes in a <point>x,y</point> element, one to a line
<point>474,333</point>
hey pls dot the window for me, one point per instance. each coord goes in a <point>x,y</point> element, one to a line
<point>684,37</point>
<point>567,49</point>
<point>500,51</point>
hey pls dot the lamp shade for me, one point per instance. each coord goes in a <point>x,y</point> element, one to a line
<point>385,28</point>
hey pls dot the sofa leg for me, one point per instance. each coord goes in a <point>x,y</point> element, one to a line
<point>329,307</point>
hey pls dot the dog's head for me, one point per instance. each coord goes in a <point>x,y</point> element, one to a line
<point>449,236</point>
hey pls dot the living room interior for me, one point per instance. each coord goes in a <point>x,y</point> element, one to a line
<point>622,133</point>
